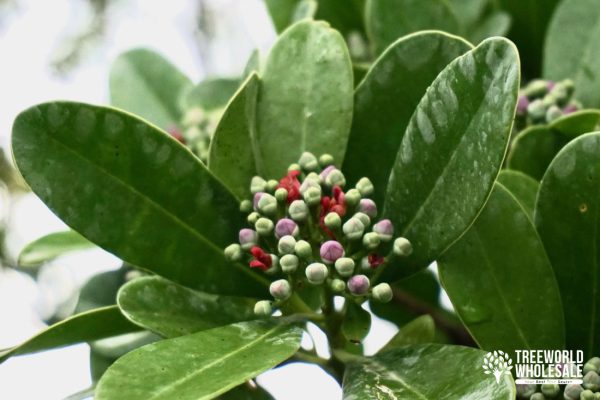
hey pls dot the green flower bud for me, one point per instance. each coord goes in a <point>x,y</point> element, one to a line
<point>572,391</point>
<point>314,177</point>
<point>536,109</point>
<point>537,396</point>
<point>382,293</point>
<point>280,289</point>
<point>264,227</point>
<point>365,187</point>
<point>289,263</point>
<point>364,218</point>
<point>308,161</point>
<point>246,206</point>
<point>281,195</point>
<point>274,265</point>
<point>233,252</point>
<point>267,204</point>
<point>335,178</point>
<point>333,220</point>
<point>352,197</point>
<point>525,391</point>
<point>344,266</point>
<point>591,381</point>
<point>365,265</point>
<point>371,240</point>
<point>298,210</point>
<point>548,100</point>
<point>595,361</point>
<point>587,395</point>
<point>325,160</point>
<point>550,389</point>
<point>271,185</point>
<point>257,184</point>
<point>294,167</point>
<point>553,113</point>
<point>316,273</point>
<point>337,285</point>
<point>312,196</point>
<point>536,88</point>
<point>253,217</point>
<point>353,228</point>
<point>402,247</point>
<point>263,308</point>
<point>303,249</point>
<point>194,116</point>
<point>286,244</point>
<point>560,93</point>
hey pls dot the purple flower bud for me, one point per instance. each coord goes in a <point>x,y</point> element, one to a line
<point>331,251</point>
<point>256,199</point>
<point>522,105</point>
<point>385,229</point>
<point>550,85</point>
<point>327,171</point>
<point>368,207</point>
<point>284,227</point>
<point>248,238</point>
<point>359,285</point>
<point>571,108</point>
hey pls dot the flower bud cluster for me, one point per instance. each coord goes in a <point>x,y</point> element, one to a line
<point>305,229</point>
<point>541,102</point>
<point>196,130</point>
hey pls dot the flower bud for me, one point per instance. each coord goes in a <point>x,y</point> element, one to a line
<point>371,240</point>
<point>316,273</point>
<point>572,391</point>
<point>352,197</point>
<point>550,389</point>
<point>368,206</point>
<point>274,268</point>
<point>359,285</point>
<point>333,220</point>
<point>537,396</point>
<point>312,196</point>
<point>353,228</point>
<point>335,178</point>
<point>314,177</point>
<point>325,160</point>
<point>272,185</point>
<point>308,161</point>
<point>281,195</point>
<point>256,198</point>
<point>253,217</point>
<point>365,187</point>
<point>303,249</point>
<point>248,238</point>
<point>298,210</point>
<point>536,88</point>
<point>337,285</point>
<point>294,167</point>
<point>233,252</point>
<point>264,227</point>
<point>344,266</point>
<point>364,218</point>
<point>286,244</point>
<point>325,173</point>
<point>384,229</point>
<point>591,381</point>
<point>330,251</point>
<point>246,206</point>
<point>365,265</point>
<point>382,293</point>
<point>280,289</point>
<point>594,361</point>
<point>536,109</point>
<point>553,113</point>
<point>525,391</point>
<point>263,308</point>
<point>402,247</point>
<point>267,204</point>
<point>587,395</point>
<point>289,263</point>
<point>522,104</point>
<point>257,184</point>
<point>286,226</point>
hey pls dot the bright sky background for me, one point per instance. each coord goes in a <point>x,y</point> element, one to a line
<point>27,43</point>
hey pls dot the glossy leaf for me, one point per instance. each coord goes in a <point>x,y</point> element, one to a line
<point>234,154</point>
<point>51,246</point>
<point>246,392</point>
<point>420,330</point>
<point>357,322</point>
<point>91,325</point>
<point>92,164</point>
<point>388,20</point>
<point>101,290</point>
<point>567,216</point>
<point>172,310</point>
<point>496,24</point>
<point>305,98</point>
<point>571,48</point>
<point>386,99</point>
<point>211,94</point>
<point>144,83</point>
<point>499,280</point>
<point>452,150</point>
<point>202,365</point>
<point>424,372</point>
<point>522,186</point>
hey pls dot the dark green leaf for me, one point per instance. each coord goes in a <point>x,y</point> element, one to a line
<point>93,165</point>
<point>144,83</point>
<point>420,330</point>
<point>211,94</point>
<point>357,322</point>
<point>386,99</point>
<point>567,216</point>
<point>282,12</point>
<point>202,365</point>
<point>346,16</point>
<point>496,24</point>
<point>522,186</point>
<point>452,150</point>
<point>101,290</point>
<point>51,246</point>
<point>172,310</point>
<point>424,372</point>
<point>305,99</point>
<point>246,392</point>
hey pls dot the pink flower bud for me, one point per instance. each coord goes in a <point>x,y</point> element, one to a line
<point>359,285</point>
<point>327,171</point>
<point>384,229</point>
<point>248,238</point>
<point>368,206</point>
<point>331,251</point>
<point>256,199</point>
<point>284,227</point>
<point>522,105</point>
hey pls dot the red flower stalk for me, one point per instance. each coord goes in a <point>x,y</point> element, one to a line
<point>261,260</point>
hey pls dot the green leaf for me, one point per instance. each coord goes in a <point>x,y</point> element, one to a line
<point>357,322</point>
<point>282,12</point>
<point>101,290</point>
<point>144,83</point>
<point>571,48</point>
<point>133,190</point>
<point>233,155</point>
<point>386,99</point>
<point>51,246</point>
<point>202,365</point>
<point>423,372</point>
<point>522,186</point>
<point>91,325</point>
<point>210,94</point>
<point>567,216</point>
<point>252,65</point>
<point>534,148</point>
<point>500,281</point>
<point>496,24</point>
<point>388,20</point>
<point>246,392</point>
<point>452,150</point>
<point>345,16</point>
<point>420,330</point>
<point>305,99</point>
<point>305,9</point>
<point>172,310</point>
